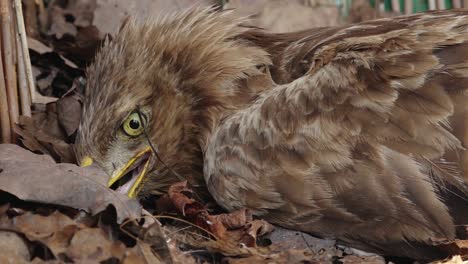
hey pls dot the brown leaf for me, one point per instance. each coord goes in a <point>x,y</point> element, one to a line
<point>33,177</point>
<point>455,247</point>
<point>254,229</point>
<point>235,219</point>
<point>13,248</point>
<point>93,244</point>
<point>46,141</point>
<point>141,253</point>
<point>54,230</point>
<point>69,113</point>
<point>218,225</point>
<point>59,25</point>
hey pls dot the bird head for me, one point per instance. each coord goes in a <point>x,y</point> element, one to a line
<point>157,88</point>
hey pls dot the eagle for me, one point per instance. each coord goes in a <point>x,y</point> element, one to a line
<point>341,132</point>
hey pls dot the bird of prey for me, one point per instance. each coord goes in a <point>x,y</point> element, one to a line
<point>337,131</point>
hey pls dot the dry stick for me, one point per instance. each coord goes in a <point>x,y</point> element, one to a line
<point>23,79</point>
<point>441,4</point>
<point>456,3</point>
<point>24,49</point>
<point>465,3</point>
<point>408,6</point>
<point>25,101</point>
<point>396,6</point>
<point>4,116</point>
<point>377,8</point>
<point>12,93</point>
<point>465,144</point>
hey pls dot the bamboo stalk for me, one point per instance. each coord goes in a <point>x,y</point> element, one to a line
<point>441,4</point>
<point>377,8</point>
<point>396,6</point>
<point>465,144</point>
<point>408,6</point>
<point>456,3</point>
<point>24,48</point>
<point>25,100</point>
<point>4,116</point>
<point>8,66</point>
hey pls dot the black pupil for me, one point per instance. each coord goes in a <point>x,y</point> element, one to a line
<point>134,124</point>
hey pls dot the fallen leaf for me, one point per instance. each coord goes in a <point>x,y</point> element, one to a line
<point>453,260</point>
<point>55,230</point>
<point>64,184</point>
<point>13,248</point>
<point>69,113</point>
<point>93,244</point>
<point>141,253</point>
<point>47,141</point>
<point>59,25</point>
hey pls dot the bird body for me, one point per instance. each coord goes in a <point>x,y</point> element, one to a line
<point>333,131</point>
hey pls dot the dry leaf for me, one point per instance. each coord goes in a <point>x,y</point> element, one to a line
<point>69,113</point>
<point>13,248</point>
<point>93,244</point>
<point>45,141</point>
<point>59,25</point>
<point>64,184</point>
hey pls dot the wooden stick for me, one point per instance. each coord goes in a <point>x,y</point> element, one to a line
<point>5,136</point>
<point>408,7</point>
<point>396,6</point>
<point>25,50</point>
<point>9,70</point>
<point>456,3</point>
<point>432,5</point>
<point>465,3</point>
<point>441,4</point>
<point>377,8</point>
<point>465,144</point>
<point>25,100</point>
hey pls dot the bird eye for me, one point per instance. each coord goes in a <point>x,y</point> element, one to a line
<point>133,126</point>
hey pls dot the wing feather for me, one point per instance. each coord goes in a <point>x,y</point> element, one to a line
<point>341,145</point>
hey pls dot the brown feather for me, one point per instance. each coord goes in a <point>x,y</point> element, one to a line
<point>334,131</point>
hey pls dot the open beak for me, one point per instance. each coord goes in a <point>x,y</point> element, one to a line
<point>129,179</point>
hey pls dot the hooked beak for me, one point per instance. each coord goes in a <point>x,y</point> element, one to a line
<point>129,179</point>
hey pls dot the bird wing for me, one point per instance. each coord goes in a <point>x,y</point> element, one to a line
<point>346,148</point>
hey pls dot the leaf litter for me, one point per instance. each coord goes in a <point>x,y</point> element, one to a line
<point>54,211</point>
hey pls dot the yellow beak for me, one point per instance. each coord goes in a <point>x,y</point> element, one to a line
<point>136,186</point>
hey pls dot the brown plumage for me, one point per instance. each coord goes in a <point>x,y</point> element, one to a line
<point>334,131</point>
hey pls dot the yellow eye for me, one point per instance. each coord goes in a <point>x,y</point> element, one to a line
<point>133,126</point>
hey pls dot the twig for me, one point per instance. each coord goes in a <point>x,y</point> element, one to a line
<point>25,101</point>
<point>24,49</point>
<point>440,4</point>
<point>4,116</point>
<point>408,7</point>
<point>12,93</point>
<point>396,6</point>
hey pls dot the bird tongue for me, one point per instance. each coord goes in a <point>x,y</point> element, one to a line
<point>125,188</point>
